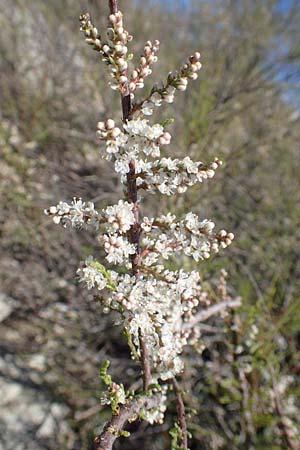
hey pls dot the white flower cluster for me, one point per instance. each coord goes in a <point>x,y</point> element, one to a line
<point>176,81</point>
<point>91,275</point>
<point>170,176</point>
<point>78,213</point>
<point>189,236</point>
<point>156,415</point>
<point>157,306</point>
<point>156,309</point>
<point>167,175</point>
<point>120,217</point>
<point>138,137</point>
<point>140,73</point>
<point>114,394</point>
<point>154,306</point>
<point>114,51</point>
<point>117,248</point>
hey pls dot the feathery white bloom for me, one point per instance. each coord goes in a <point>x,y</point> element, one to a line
<point>120,216</point>
<point>118,248</point>
<point>78,213</point>
<point>91,275</point>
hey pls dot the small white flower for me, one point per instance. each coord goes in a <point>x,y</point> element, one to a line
<point>91,275</point>
<point>120,216</point>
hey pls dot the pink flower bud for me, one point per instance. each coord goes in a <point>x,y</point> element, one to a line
<point>132,86</point>
<point>144,72</point>
<point>143,61</point>
<point>147,50</point>
<point>112,18</point>
<point>115,132</point>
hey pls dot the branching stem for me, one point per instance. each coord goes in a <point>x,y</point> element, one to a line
<point>211,311</point>
<point>128,412</point>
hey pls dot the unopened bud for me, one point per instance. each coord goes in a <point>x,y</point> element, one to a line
<point>110,124</point>
<point>132,86</point>
<point>101,125</point>
<point>112,18</point>
<point>143,61</point>
<point>134,75</point>
<point>115,132</point>
<point>123,79</point>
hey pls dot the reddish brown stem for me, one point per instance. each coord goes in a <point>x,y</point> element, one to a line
<point>113,6</point>
<point>181,414</point>
<point>205,314</point>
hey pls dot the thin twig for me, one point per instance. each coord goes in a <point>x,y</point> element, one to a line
<point>211,311</point>
<point>181,414</point>
<point>128,412</point>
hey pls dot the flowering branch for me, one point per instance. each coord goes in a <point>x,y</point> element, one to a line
<point>159,308</point>
<point>128,413</point>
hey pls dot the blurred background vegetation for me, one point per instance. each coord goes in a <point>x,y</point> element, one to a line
<point>244,387</point>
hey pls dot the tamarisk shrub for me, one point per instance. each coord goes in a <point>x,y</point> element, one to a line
<point>159,308</point>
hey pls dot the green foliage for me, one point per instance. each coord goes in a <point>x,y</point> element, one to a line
<point>176,437</point>
<point>110,285</point>
<point>104,376</point>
